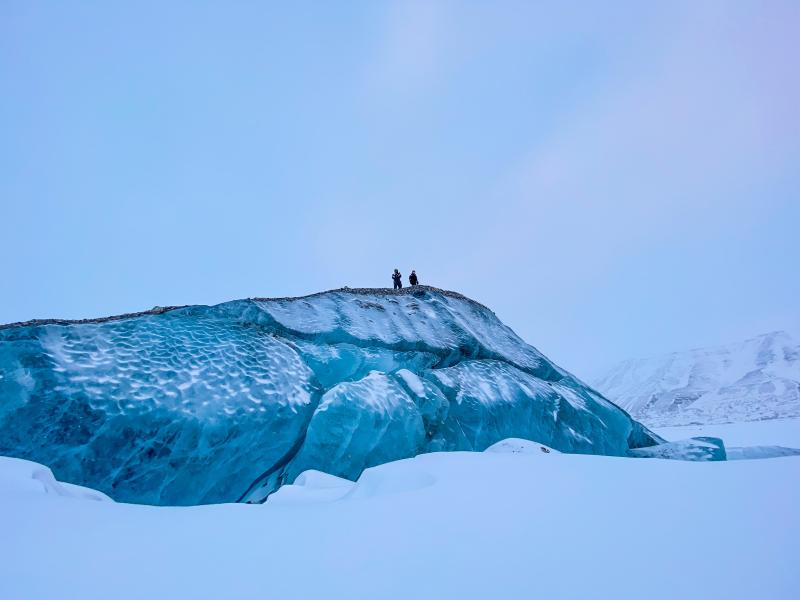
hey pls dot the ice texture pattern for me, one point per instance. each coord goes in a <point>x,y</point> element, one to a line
<point>205,404</point>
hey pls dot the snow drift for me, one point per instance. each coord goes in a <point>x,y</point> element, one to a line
<point>205,404</point>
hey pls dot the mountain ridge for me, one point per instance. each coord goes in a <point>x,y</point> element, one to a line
<point>754,379</point>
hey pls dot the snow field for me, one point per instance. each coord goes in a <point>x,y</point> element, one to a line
<point>501,524</point>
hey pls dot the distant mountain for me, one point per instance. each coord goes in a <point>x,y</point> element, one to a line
<point>753,380</point>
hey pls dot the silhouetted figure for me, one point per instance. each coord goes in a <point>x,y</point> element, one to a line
<point>412,279</point>
<point>398,279</point>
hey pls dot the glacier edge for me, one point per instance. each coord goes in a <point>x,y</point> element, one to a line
<point>200,404</point>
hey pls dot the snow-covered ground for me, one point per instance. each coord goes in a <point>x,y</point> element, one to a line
<point>517,523</point>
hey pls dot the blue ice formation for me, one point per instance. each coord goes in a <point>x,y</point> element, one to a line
<point>693,449</point>
<point>203,404</point>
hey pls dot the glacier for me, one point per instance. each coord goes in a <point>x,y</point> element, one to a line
<point>206,404</point>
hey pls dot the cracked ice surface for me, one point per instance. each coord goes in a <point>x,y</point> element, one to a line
<point>208,404</point>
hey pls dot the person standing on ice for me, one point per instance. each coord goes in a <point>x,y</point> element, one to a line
<point>412,279</point>
<point>397,278</point>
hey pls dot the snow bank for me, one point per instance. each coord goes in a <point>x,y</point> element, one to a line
<point>519,446</point>
<point>311,487</point>
<point>29,478</point>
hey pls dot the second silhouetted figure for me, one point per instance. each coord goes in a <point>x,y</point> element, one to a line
<point>412,279</point>
<point>398,279</point>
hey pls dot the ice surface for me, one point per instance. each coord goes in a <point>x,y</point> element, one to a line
<point>773,438</point>
<point>693,449</point>
<point>207,404</point>
<point>757,452</point>
<point>171,409</point>
<point>773,432</point>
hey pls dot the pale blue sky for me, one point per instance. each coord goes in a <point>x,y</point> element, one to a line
<point>614,179</point>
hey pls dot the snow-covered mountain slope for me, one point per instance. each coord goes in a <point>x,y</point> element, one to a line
<point>752,380</point>
<point>460,525</point>
<point>204,404</point>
